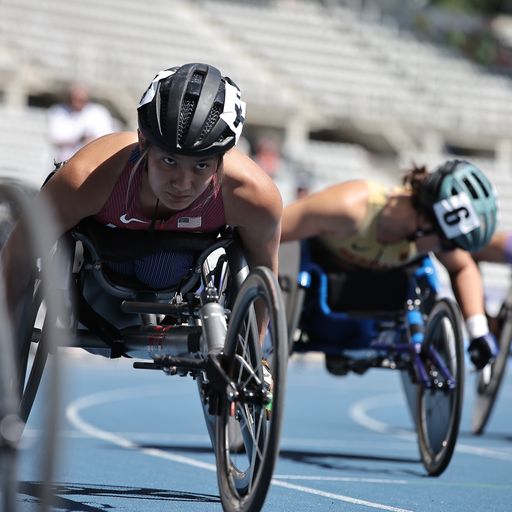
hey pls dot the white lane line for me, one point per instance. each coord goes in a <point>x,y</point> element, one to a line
<point>342,479</point>
<point>360,413</point>
<point>73,415</point>
<point>338,497</point>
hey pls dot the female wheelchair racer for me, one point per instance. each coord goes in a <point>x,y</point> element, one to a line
<point>367,297</point>
<point>180,174</point>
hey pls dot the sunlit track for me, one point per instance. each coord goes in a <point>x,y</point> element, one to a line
<point>360,412</point>
<point>328,460</point>
<point>74,410</point>
<point>333,496</point>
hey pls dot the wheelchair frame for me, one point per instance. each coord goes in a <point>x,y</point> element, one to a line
<point>423,340</point>
<point>205,327</point>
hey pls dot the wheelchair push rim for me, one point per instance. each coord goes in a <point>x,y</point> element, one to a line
<point>244,478</point>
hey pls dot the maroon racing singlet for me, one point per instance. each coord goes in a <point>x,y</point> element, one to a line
<point>122,210</point>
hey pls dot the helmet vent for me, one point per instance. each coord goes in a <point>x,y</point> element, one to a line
<point>211,121</point>
<point>186,113</point>
<point>482,186</point>
<point>470,187</point>
<point>197,78</point>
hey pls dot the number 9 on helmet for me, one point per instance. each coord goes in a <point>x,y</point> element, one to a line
<point>463,202</point>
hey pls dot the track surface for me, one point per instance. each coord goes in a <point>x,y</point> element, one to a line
<point>135,440</point>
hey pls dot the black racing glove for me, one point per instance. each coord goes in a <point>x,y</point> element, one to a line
<point>483,350</point>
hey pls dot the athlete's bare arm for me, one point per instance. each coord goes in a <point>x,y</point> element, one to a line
<point>77,190</point>
<point>336,210</point>
<point>466,281</point>
<point>253,205</point>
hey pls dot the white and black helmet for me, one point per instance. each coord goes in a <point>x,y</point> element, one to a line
<point>192,110</point>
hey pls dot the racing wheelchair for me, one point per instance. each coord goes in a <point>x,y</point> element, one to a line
<point>222,324</point>
<point>392,319</point>
<point>491,377</point>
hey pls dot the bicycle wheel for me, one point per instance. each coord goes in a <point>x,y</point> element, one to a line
<point>490,378</point>
<point>244,478</point>
<point>439,406</point>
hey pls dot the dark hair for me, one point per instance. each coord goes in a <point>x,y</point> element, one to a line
<point>413,179</point>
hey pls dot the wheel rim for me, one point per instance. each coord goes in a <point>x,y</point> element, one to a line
<point>244,477</point>
<point>246,372</point>
<point>439,407</point>
<point>438,403</point>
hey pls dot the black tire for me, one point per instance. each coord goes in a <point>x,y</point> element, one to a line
<point>16,199</point>
<point>11,425</point>
<point>33,353</point>
<point>244,478</point>
<point>439,408</point>
<point>490,378</point>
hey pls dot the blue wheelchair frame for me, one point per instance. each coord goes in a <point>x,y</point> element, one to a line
<point>413,331</point>
<point>360,330</point>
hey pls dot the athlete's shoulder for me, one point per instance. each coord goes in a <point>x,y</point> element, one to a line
<point>340,195</point>
<point>242,175</point>
<point>246,187</point>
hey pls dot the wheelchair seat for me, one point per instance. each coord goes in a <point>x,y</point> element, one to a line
<point>103,244</point>
<point>343,307</point>
<point>100,295</point>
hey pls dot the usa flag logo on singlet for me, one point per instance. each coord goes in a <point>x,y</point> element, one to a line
<point>189,222</point>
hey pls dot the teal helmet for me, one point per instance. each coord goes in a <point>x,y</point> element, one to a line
<point>462,203</point>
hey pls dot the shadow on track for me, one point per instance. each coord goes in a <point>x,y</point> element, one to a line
<point>62,495</point>
<point>323,459</point>
<point>198,450</point>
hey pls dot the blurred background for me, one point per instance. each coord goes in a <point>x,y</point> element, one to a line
<point>336,89</point>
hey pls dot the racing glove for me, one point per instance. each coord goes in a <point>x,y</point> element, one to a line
<point>482,347</point>
<point>483,350</point>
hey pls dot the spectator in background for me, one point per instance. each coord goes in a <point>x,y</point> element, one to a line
<point>75,122</point>
<point>268,155</point>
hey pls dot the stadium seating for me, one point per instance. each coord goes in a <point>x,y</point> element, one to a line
<point>327,65</point>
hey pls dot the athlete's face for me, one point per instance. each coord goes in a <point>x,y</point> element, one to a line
<point>177,180</point>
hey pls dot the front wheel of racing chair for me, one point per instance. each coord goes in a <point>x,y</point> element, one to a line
<point>439,402</point>
<point>255,400</point>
